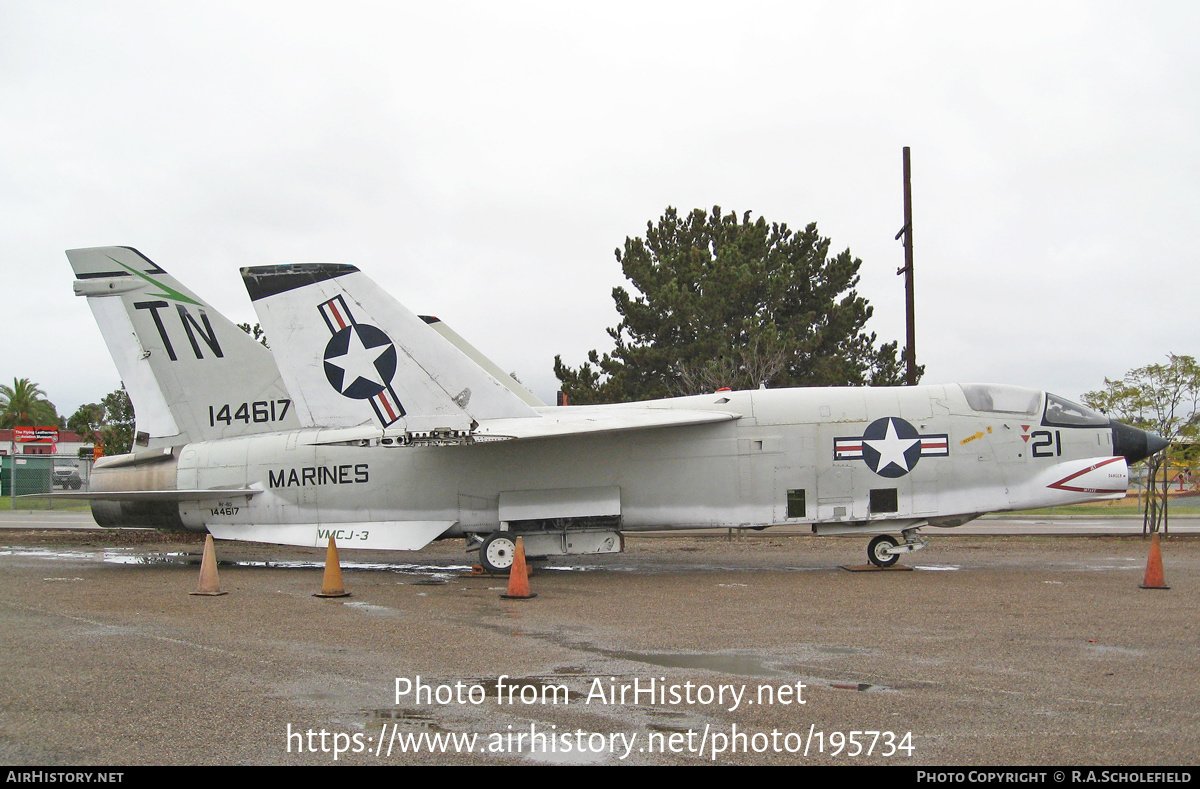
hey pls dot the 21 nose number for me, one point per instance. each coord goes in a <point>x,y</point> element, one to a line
<point>1046,444</point>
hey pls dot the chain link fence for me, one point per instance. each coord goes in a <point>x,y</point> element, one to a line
<point>35,475</point>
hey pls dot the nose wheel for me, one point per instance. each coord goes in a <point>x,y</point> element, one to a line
<point>884,550</point>
<point>879,551</point>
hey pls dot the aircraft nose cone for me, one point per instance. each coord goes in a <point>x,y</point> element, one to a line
<point>1155,443</point>
<point>1135,444</point>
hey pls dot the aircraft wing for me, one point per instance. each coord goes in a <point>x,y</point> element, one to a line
<point>581,420</point>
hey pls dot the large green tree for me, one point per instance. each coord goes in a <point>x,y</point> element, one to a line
<point>723,300</point>
<point>1164,399</point>
<point>109,423</point>
<point>116,436</point>
<point>87,421</point>
<point>24,404</point>
<point>255,331</point>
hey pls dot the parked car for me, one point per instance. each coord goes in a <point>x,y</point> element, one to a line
<point>66,476</point>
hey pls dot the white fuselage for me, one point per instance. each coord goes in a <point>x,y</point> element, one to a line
<point>793,456</point>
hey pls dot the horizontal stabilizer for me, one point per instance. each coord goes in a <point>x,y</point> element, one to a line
<point>375,535</point>
<point>149,495</point>
<point>160,455</point>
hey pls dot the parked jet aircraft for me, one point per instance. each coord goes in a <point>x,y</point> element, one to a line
<point>369,425</point>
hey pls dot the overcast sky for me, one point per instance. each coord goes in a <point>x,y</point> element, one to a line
<point>482,161</point>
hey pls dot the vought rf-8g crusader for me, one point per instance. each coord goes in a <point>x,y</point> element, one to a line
<point>385,430</point>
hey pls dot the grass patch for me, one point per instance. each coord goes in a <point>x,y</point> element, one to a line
<point>59,505</point>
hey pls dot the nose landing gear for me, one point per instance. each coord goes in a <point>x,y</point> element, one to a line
<point>884,549</point>
<point>879,551</point>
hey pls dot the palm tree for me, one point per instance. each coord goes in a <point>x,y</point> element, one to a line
<point>24,403</point>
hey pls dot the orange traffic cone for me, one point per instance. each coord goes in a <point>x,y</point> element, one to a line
<point>331,583</point>
<point>1154,569</point>
<point>518,576</point>
<point>208,570</point>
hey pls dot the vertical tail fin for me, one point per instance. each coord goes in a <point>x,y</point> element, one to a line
<point>191,374</point>
<point>351,354</point>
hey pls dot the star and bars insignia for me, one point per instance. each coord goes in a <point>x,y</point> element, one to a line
<point>360,361</point>
<point>891,447</point>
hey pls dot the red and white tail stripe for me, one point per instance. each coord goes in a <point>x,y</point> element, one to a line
<point>337,316</point>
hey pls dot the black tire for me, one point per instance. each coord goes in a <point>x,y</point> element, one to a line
<point>497,552</point>
<point>877,551</point>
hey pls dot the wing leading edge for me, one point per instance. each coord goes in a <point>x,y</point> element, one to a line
<point>582,420</point>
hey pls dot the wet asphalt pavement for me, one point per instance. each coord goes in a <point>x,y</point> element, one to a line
<point>995,650</point>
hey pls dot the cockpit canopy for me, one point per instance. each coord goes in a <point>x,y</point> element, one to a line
<point>1003,399</point>
<point>1018,401</point>
<point>1061,412</point>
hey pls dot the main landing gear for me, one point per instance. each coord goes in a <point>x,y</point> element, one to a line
<point>560,537</point>
<point>884,549</point>
<point>497,552</point>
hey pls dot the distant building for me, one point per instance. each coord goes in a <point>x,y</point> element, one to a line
<point>67,443</point>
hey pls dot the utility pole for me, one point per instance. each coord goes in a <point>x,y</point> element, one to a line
<point>910,351</point>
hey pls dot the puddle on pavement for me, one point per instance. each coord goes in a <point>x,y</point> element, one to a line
<point>656,569</point>
<point>565,758</point>
<point>409,716</point>
<point>741,665</point>
<point>859,686</point>
<point>181,558</point>
<point>430,575</point>
<point>1097,567</point>
<point>1105,649</point>
<point>371,609</point>
<point>549,750</point>
<point>106,555</point>
<point>528,690</point>
<point>45,553</point>
<point>832,650</point>
<point>738,664</point>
